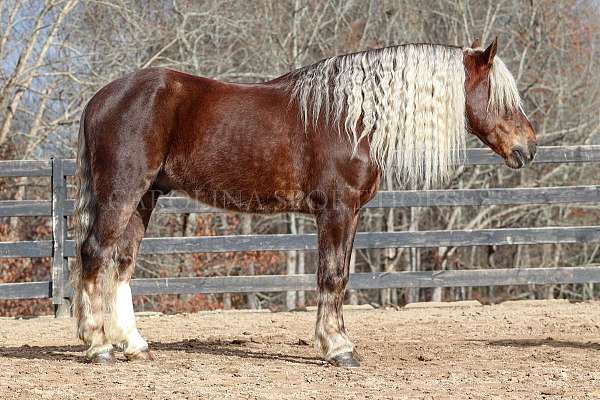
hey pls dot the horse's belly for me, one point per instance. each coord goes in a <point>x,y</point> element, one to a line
<point>249,201</point>
<point>238,183</point>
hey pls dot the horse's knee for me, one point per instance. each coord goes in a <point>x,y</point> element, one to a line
<point>333,282</point>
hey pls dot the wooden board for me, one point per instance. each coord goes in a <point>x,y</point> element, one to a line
<point>277,283</point>
<point>381,240</point>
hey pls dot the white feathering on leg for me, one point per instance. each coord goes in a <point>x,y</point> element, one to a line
<point>122,326</point>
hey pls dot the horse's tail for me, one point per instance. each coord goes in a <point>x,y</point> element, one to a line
<point>84,219</point>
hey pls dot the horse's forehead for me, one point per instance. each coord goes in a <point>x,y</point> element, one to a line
<point>473,71</point>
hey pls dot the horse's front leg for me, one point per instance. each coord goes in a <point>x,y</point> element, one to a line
<point>336,230</point>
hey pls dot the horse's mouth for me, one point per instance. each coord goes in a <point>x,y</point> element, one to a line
<point>517,159</point>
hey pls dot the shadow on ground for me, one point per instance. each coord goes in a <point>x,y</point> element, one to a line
<point>52,353</point>
<point>542,342</point>
<point>234,348</point>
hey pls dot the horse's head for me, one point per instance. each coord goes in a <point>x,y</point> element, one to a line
<point>493,107</point>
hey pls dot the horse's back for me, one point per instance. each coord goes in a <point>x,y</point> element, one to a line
<point>206,135</point>
<point>239,140</point>
<point>240,146</point>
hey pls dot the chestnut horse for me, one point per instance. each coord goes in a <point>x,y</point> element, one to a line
<point>316,141</point>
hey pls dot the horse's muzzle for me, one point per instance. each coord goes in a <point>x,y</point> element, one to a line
<point>521,156</point>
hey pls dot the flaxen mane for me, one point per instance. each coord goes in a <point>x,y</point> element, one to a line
<point>410,99</point>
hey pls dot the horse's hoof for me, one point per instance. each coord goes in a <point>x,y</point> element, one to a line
<point>345,360</point>
<point>103,358</point>
<point>143,355</point>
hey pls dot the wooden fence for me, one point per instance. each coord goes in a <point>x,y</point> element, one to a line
<point>60,247</point>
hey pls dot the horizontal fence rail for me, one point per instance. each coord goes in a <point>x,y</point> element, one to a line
<point>59,248</point>
<point>363,240</point>
<point>383,199</point>
<point>375,280</point>
<point>20,168</point>
<point>545,155</point>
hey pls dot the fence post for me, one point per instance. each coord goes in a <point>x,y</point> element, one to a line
<point>59,233</point>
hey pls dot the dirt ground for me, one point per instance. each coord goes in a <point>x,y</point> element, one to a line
<point>546,350</point>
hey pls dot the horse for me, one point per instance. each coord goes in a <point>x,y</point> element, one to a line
<point>316,140</point>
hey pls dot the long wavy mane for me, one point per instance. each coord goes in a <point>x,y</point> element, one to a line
<point>408,100</point>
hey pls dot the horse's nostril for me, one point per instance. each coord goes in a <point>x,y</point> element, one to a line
<point>519,155</point>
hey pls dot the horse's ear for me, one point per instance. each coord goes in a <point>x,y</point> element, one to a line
<point>489,53</point>
<point>476,43</point>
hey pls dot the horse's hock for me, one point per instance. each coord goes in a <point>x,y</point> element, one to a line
<point>516,350</point>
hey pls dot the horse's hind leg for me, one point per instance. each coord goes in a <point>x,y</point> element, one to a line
<point>122,328</point>
<point>336,230</point>
<point>109,222</point>
<point>97,260</point>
